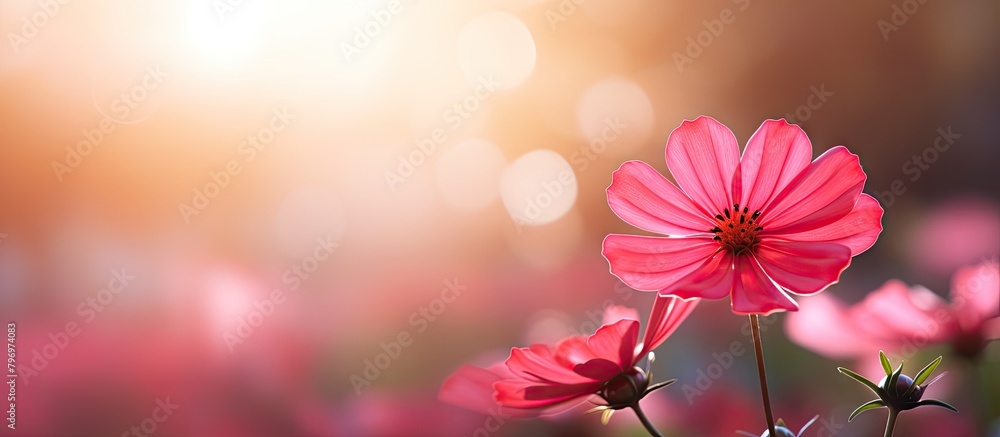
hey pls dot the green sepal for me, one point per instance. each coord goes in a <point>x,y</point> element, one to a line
<point>660,385</point>
<point>922,376</point>
<point>870,405</point>
<point>891,383</point>
<point>885,363</point>
<point>871,385</point>
<point>937,403</point>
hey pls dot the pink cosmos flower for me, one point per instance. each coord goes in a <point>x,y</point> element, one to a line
<point>541,379</point>
<point>904,319</point>
<point>751,227</point>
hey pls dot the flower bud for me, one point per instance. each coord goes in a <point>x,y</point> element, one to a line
<point>903,383</point>
<point>626,389</point>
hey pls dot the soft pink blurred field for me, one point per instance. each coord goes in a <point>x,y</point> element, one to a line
<point>362,247</point>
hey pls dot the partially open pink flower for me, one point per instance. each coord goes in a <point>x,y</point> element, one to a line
<point>542,379</point>
<point>751,227</point>
<point>904,319</point>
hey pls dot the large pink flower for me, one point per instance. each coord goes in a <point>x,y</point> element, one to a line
<point>904,319</point>
<point>751,227</point>
<point>542,379</point>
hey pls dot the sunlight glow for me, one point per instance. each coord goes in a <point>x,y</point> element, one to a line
<point>224,37</point>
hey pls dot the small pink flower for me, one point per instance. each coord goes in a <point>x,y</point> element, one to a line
<point>903,319</point>
<point>751,227</point>
<point>542,379</point>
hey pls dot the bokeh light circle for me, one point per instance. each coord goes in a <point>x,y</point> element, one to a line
<point>615,116</point>
<point>496,45</point>
<point>538,188</point>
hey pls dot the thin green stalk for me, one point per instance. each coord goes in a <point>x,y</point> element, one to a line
<point>891,423</point>
<point>645,421</point>
<point>762,375</point>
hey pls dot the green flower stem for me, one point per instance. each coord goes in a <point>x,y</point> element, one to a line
<point>645,421</point>
<point>762,375</point>
<point>891,423</point>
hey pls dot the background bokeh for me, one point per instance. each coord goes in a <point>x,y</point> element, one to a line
<point>189,157</point>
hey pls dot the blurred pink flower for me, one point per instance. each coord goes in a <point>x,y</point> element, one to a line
<point>543,380</point>
<point>956,233</point>
<point>751,228</point>
<point>903,319</point>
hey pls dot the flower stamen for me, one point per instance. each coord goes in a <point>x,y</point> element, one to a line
<point>737,230</point>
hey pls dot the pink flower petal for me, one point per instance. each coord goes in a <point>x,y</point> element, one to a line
<point>615,313</point>
<point>702,155</point>
<point>713,279</point>
<point>975,294</point>
<point>616,343</point>
<point>471,387</point>
<point>534,364</point>
<point>802,267</point>
<point>598,369</point>
<point>900,314</point>
<point>858,230</point>
<point>666,316</point>
<point>643,198</point>
<point>774,156</point>
<point>823,325</point>
<point>572,351</point>
<point>652,263</point>
<point>755,293</point>
<point>518,393</point>
<point>823,193</point>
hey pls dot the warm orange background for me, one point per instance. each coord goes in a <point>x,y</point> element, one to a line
<point>179,86</point>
